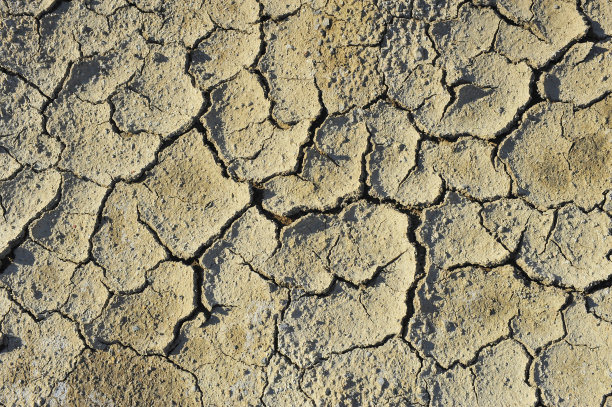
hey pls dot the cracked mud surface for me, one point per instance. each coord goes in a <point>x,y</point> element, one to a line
<point>306,203</point>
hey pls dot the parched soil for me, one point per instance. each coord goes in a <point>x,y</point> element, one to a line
<point>306,203</point>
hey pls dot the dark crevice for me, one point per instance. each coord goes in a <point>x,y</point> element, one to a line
<point>198,307</point>
<point>312,130</point>
<point>599,285</point>
<point>213,149</point>
<point>364,176</point>
<point>8,72</point>
<point>373,345</point>
<point>420,272</point>
<point>23,235</point>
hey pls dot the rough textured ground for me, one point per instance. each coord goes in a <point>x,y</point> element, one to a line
<point>306,202</point>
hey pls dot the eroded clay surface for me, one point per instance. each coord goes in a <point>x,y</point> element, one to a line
<point>305,203</point>
<point>587,346</point>
<point>496,378</point>
<point>559,155</point>
<point>35,354</point>
<point>585,65</point>
<point>120,376</point>
<point>186,199</point>
<point>459,312</point>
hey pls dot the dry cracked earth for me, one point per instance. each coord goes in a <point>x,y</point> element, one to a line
<point>306,203</point>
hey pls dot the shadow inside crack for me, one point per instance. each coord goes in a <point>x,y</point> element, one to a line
<point>9,343</point>
<point>551,87</point>
<point>469,94</point>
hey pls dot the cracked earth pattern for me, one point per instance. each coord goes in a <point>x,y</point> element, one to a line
<point>306,203</point>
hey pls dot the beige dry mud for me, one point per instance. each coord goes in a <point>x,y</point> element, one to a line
<point>306,203</point>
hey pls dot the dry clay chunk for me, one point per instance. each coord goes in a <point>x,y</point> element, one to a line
<point>538,32</point>
<point>38,278</point>
<point>251,226</point>
<point>229,352</point>
<point>316,327</point>
<point>239,15</point>
<point>168,22</point>
<point>468,35</point>
<point>382,375</point>
<point>121,377</point>
<point>294,259</point>
<point>160,99</point>
<point>35,354</point>
<point>330,171</point>
<point>96,78</point>
<point>584,74</point>
<point>558,155</point>
<point>468,165</point>
<point>599,12</point>
<point>394,143</point>
<point>566,247</point>
<point>185,21</point>
<point>81,116</point>
<point>576,371</point>
<point>329,51</point>
<point>279,8</point>
<point>186,199</point>
<point>407,55</point>
<point>21,124</point>
<point>289,67</point>
<point>600,304</point>
<point>79,30</point>
<point>347,62</point>
<point>367,238</point>
<point>300,261</point>
<point>228,265</point>
<point>497,378</point>
<point>419,74</point>
<point>395,170</point>
<point>222,379</point>
<point>353,245</point>
<point>283,387</point>
<point>254,303</point>
<point>88,294</point>
<point>42,50</point>
<point>31,7</point>
<point>22,198</point>
<point>251,146</point>
<point>574,251</point>
<point>123,245</point>
<point>511,219</point>
<point>93,149</point>
<point>458,312</point>
<point>456,88</point>
<point>38,150</point>
<point>145,320</point>
<point>453,235</point>
<point>435,10</point>
<point>348,76</point>
<point>38,51</point>
<point>66,230</point>
<point>481,98</point>
<point>8,165</point>
<point>222,55</point>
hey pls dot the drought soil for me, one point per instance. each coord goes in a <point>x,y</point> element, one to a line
<point>306,203</point>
